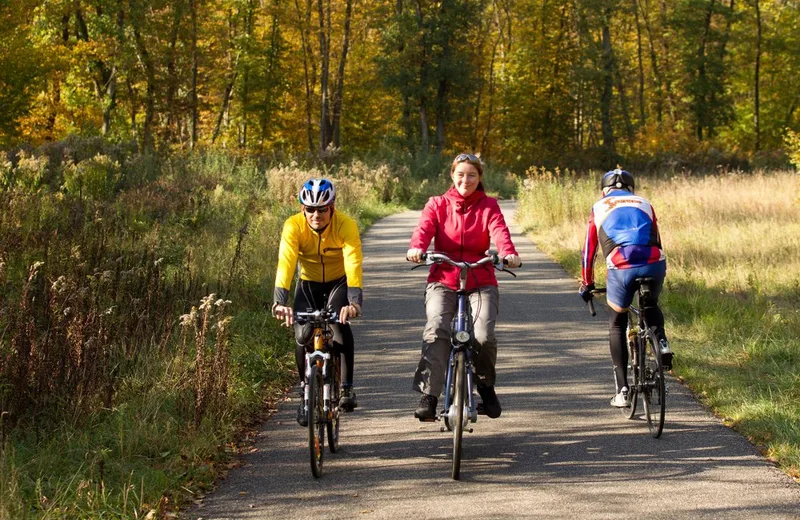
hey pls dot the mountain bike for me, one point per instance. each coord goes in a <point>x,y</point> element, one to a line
<point>645,371</point>
<point>322,390</point>
<point>460,407</point>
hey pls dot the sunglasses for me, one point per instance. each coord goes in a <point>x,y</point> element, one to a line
<point>467,157</point>
<point>322,209</point>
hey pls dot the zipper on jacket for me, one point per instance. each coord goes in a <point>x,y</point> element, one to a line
<point>319,252</point>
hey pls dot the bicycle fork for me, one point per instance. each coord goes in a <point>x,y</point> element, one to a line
<point>314,358</point>
<point>472,411</point>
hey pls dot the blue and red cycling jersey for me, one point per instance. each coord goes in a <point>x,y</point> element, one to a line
<point>624,225</point>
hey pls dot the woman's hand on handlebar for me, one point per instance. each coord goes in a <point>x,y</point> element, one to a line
<point>282,312</point>
<point>349,311</point>
<point>512,261</point>
<point>415,255</point>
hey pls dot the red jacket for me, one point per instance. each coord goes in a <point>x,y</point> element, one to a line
<point>461,228</point>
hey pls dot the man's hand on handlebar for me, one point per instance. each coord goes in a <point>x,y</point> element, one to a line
<point>585,292</point>
<point>349,311</point>
<point>282,312</point>
<point>415,255</point>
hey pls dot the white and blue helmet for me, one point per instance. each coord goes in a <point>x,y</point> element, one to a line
<point>316,193</point>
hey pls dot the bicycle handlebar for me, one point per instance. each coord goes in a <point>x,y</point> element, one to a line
<point>318,316</point>
<point>492,257</point>
<point>591,302</point>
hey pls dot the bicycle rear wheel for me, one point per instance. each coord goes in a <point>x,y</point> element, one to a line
<point>316,421</point>
<point>459,394</point>
<point>633,378</point>
<point>654,393</point>
<point>333,414</point>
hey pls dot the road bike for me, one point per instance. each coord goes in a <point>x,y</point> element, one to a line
<point>644,371</point>
<point>460,408</point>
<point>322,390</point>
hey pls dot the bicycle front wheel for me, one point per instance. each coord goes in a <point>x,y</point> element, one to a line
<point>654,393</point>
<point>333,413</point>
<point>459,394</point>
<point>316,421</point>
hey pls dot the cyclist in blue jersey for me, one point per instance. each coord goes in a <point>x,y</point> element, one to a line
<point>624,225</point>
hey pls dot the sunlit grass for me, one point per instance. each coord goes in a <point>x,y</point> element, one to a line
<point>732,298</point>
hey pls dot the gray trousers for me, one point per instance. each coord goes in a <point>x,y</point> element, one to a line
<point>441,304</point>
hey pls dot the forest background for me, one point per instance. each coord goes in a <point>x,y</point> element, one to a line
<point>151,151</point>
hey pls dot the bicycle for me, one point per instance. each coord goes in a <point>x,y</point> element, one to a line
<point>459,398</point>
<point>645,371</point>
<point>322,390</point>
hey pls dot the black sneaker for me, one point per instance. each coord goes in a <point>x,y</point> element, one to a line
<point>490,405</point>
<point>348,401</point>
<point>302,418</point>
<point>426,411</point>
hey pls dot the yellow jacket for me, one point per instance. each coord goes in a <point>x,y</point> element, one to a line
<point>323,257</point>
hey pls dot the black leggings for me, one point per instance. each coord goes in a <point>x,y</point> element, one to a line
<point>617,340</point>
<point>312,296</point>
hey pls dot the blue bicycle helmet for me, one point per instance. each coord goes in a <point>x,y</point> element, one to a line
<point>316,193</point>
<point>618,179</point>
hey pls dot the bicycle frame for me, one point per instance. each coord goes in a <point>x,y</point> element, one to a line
<point>321,355</point>
<point>463,323</point>
<point>321,391</point>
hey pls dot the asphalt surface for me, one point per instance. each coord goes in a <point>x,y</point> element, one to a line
<point>558,450</point>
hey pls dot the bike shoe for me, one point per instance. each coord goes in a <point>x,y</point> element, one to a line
<point>621,400</point>
<point>666,354</point>
<point>490,405</point>
<point>302,418</point>
<point>349,401</point>
<point>426,411</point>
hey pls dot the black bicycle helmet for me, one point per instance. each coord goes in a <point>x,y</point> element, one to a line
<point>618,179</point>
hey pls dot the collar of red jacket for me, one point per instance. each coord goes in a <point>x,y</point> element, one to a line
<point>455,197</point>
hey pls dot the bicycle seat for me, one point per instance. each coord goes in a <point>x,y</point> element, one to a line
<point>644,286</point>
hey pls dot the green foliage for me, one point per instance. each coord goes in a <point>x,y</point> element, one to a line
<point>792,140</point>
<point>96,178</point>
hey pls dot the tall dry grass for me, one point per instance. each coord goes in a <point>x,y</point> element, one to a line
<point>732,294</point>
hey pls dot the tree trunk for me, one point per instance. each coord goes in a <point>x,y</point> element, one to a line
<point>424,135</point>
<point>608,86</point>
<point>172,74</point>
<point>338,94</point>
<point>756,86</point>
<point>324,135</point>
<point>193,85</point>
<point>148,144</point>
<point>640,61</point>
<point>304,24</point>
<point>226,99</point>
<point>700,104</point>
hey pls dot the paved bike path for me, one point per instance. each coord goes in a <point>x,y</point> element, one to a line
<point>557,451</point>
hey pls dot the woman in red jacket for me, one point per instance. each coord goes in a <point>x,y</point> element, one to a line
<point>462,222</point>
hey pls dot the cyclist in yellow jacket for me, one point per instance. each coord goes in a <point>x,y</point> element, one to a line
<point>327,244</point>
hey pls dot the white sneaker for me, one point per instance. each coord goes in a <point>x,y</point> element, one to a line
<point>621,399</point>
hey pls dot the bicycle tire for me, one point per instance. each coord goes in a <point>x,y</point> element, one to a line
<point>633,378</point>
<point>316,422</point>
<point>654,396</point>
<point>334,414</point>
<point>458,403</point>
